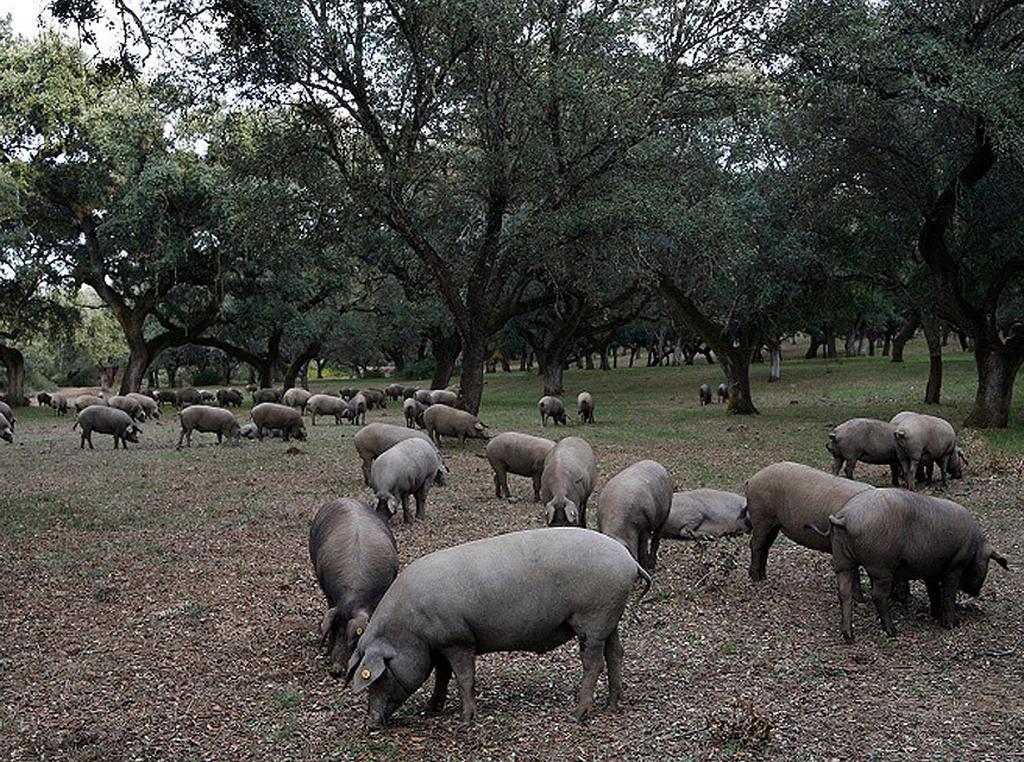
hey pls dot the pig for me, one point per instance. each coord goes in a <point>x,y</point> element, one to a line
<point>188,397</point>
<point>229,397</point>
<point>373,440</point>
<point>8,414</point>
<point>375,398</point>
<point>788,497</point>
<point>271,415</point>
<point>167,397</point>
<point>705,513</point>
<point>424,397</point>
<point>705,394</point>
<point>568,478</point>
<point>43,399</point>
<point>410,467</point>
<point>347,394</point>
<point>355,559</point>
<point>925,439</point>
<point>252,431</point>
<point>413,412</point>
<point>553,408</point>
<point>524,591</point>
<point>394,391</point>
<point>633,507</point>
<point>6,432</point>
<point>520,454</point>
<point>325,404</point>
<point>409,391</point>
<point>107,420</point>
<point>723,392</point>
<point>444,397</point>
<point>442,420</point>
<point>355,409</point>
<point>209,419</point>
<point>863,439</point>
<point>148,404</point>
<point>266,395</point>
<point>59,403</point>
<point>206,395</point>
<point>897,534</point>
<point>296,397</point>
<point>128,405</point>
<point>83,401</point>
<point>585,407</point>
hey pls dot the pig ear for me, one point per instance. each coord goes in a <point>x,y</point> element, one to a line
<point>996,556</point>
<point>549,513</point>
<point>368,670</point>
<point>571,514</point>
<point>326,622</point>
<point>960,454</point>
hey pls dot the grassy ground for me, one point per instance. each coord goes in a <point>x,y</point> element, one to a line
<point>160,604</point>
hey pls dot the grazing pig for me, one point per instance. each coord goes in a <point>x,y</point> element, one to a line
<point>444,397</point>
<point>356,560</point>
<point>863,439</point>
<point>373,440</point>
<point>167,397</point>
<point>128,405</point>
<point>922,439</point>
<point>633,507</point>
<point>585,407</point>
<point>59,403</point>
<point>424,397</point>
<point>296,397</point>
<point>895,534</point>
<point>413,412</point>
<point>209,419</point>
<point>83,401</point>
<point>375,398</point>
<point>6,432</point>
<point>347,394</point>
<point>43,399</point>
<point>266,395</point>
<point>148,404</point>
<point>410,467</point>
<point>705,394</point>
<point>442,420</point>
<point>524,591</point>
<point>206,395</point>
<point>568,478</point>
<point>8,414</point>
<point>723,392</point>
<point>229,397</point>
<point>520,454</point>
<point>409,391</point>
<point>704,513</point>
<point>553,408</point>
<point>188,397</point>
<point>271,415</point>
<point>394,391</point>
<point>325,404</point>
<point>355,409</point>
<point>107,420</point>
<point>787,497</point>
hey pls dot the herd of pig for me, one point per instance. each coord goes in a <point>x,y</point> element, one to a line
<point>535,589</point>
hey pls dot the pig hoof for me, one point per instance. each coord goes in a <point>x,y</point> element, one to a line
<point>581,715</point>
<point>848,637</point>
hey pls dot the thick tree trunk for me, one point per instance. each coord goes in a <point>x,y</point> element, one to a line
<point>604,358</point>
<point>588,361</point>
<point>172,375</point>
<point>812,350</point>
<point>445,349</point>
<point>905,334</point>
<point>474,351</point>
<point>997,370</point>
<point>830,342</point>
<point>553,375</point>
<point>736,364</point>
<point>887,343</point>
<point>14,365</point>
<point>138,363</point>
<point>933,336</point>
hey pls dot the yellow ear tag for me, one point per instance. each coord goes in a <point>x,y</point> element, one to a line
<point>366,674</point>
<point>359,630</point>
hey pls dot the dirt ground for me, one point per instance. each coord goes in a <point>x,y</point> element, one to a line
<point>161,605</point>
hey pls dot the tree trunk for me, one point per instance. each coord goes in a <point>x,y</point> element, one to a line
<point>474,351</point>
<point>445,348</point>
<point>900,340</point>
<point>172,375</point>
<point>14,365</point>
<point>736,364</point>
<point>615,357</point>
<point>588,361</point>
<point>933,335</point>
<point>553,376</point>
<point>997,370</point>
<point>604,358</point>
<point>812,350</point>
<point>138,363</point>
<point>775,373</point>
<point>319,367</point>
<point>886,343</point>
<point>522,362</point>
<point>830,342</point>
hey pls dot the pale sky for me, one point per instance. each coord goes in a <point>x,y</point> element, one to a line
<point>24,15</point>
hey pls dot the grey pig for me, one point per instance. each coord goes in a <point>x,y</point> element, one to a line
<point>228,397</point>
<point>723,392</point>
<point>373,440</point>
<point>411,467</point>
<point>6,432</point>
<point>863,439</point>
<point>394,391</point>
<point>209,419</point>
<point>266,395</point>
<point>524,591</point>
<point>705,394</point>
<point>8,414</point>
<point>896,534</point>
<point>375,398</point>
<point>107,420</point>
<point>922,439</point>
<point>270,415</point>
<point>355,409</point>
<point>704,513</point>
<point>148,404</point>
<point>297,397</point>
<point>424,397</point>
<point>325,404</point>
<point>442,420</point>
<point>585,407</point>
<point>167,396</point>
<point>633,507</point>
<point>569,476</point>
<point>251,431</point>
<point>444,397</point>
<point>553,408</point>
<point>83,401</point>
<point>128,405</point>
<point>355,559</point>
<point>515,453</point>
<point>59,403</point>
<point>188,397</point>
<point>413,411</point>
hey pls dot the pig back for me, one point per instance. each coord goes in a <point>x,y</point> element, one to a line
<point>353,553</point>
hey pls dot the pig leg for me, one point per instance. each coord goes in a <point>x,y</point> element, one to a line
<point>761,539</point>
<point>180,438</point>
<point>442,676</point>
<point>421,502</point>
<point>406,516</point>
<point>845,580</point>
<point>536,488</point>
<point>613,659</point>
<point>593,659</point>
<point>850,465</point>
<point>655,542</point>
<point>463,664</point>
<point>583,512</point>
<point>950,584</point>
<point>640,551</point>
<point>942,470</point>
<point>837,463</point>
<point>934,586</point>
<point>498,492</point>
<point>881,591</point>
<point>895,470</point>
